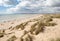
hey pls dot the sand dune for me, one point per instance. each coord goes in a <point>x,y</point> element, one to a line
<point>38,28</point>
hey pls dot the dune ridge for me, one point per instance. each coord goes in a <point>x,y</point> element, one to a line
<point>41,28</point>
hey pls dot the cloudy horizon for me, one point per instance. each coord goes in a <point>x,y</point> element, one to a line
<point>29,6</point>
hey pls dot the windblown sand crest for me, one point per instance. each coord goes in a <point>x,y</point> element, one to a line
<point>38,28</point>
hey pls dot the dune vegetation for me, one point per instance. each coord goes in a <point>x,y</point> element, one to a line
<point>57,39</point>
<point>35,28</point>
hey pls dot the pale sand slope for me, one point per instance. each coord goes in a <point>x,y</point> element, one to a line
<point>49,33</point>
<point>18,21</point>
<point>21,30</point>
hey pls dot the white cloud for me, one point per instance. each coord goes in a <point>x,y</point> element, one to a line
<point>7,3</point>
<point>54,3</point>
<point>18,7</point>
<point>50,10</point>
<point>36,6</point>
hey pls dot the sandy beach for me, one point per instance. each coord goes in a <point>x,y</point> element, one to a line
<point>38,28</point>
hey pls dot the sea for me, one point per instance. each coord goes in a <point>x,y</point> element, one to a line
<point>8,17</point>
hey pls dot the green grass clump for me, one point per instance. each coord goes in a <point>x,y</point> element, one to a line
<point>2,33</point>
<point>55,16</point>
<point>32,30</point>
<point>40,25</point>
<point>52,40</point>
<point>25,32</point>
<point>33,27</point>
<point>19,26</point>
<point>40,28</point>
<point>50,24</point>
<point>25,23</point>
<point>47,19</point>
<point>22,26</point>
<point>29,38</point>
<point>21,39</point>
<point>12,38</point>
<point>37,28</point>
<point>57,39</point>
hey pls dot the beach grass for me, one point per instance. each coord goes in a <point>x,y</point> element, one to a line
<point>37,26</point>
<point>12,38</point>
<point>57,39</point>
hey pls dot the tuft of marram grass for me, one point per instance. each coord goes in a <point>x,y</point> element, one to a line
<point>33,27</point>
<point>2,32</point>
<point>21,39</point>
<point>25,23</point>
<point>57,39</point>
<point>32,30</point>
<point>1,35</point>
<point>41,25</point>
<point>29,38</point>
<point>25,32</point>
<point>12,38</point>
<point>47,19</point>
<point>10,27</point>
<point>50,24</point>
<point>40,28</point>
<point>22,26</point>
<point>53,15</point>
<point>19,26</point>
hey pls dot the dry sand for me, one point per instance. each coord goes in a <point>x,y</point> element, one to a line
<point>20,30</point>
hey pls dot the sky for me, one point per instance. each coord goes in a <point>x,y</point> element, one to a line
<point>29,6</point>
